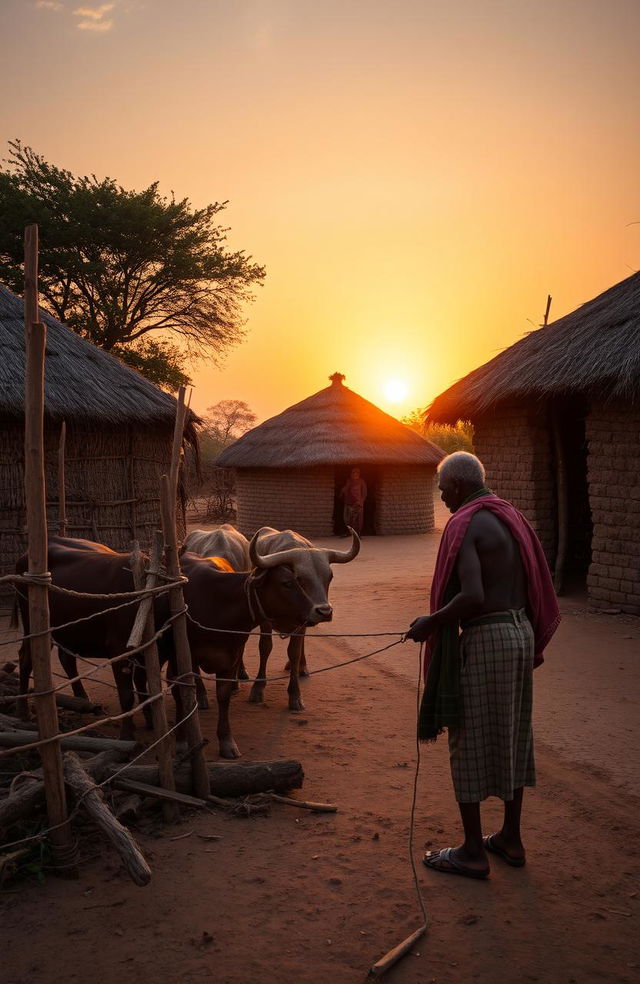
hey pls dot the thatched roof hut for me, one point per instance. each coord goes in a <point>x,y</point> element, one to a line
<point>557,424</point>
<point>290,469</point>
<point>119,432</point>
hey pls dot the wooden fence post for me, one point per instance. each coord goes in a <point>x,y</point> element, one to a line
<point>62,492</point>
<point>35,496</point>
<point>168,498</point>
<point>143,629</point>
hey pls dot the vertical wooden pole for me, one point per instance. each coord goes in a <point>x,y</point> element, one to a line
<point>62,492</point>
<point>168,497</point>
<point>35,495</point>
<point>163,754</point>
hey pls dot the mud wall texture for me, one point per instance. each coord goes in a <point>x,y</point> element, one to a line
<point>613,433</point>
<point>292,498</point>
<point>404,499</point>
<point>514,445</point>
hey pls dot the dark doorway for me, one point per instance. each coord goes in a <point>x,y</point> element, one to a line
<point>370,475</point>
<point>573,512</point>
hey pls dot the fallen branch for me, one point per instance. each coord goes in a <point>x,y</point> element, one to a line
<point>157,792</point>
<point>83,788</point>
<point>304,804</point>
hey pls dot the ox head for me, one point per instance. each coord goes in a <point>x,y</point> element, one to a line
<point>303,574</point>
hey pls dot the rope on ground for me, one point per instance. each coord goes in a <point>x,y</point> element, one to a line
<point>414,797</point>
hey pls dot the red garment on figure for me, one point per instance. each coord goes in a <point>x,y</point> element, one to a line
<point>355,492</point>
<point>543,605</point>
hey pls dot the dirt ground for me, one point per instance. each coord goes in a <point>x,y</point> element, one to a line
<point>317,898</point>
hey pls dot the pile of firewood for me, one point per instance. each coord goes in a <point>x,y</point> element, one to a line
<point>95,765</point>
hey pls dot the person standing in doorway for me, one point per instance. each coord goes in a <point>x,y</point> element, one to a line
<point>354,493</point>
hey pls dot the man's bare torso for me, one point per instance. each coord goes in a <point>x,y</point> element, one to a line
<point>503,575</point>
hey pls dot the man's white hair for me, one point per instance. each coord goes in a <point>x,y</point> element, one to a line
<point>462,467</point>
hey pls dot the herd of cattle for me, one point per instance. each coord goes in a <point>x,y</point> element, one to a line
<point>277,581</point>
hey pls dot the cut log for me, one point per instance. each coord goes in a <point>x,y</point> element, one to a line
<point>27,798</point>
<point>232,779</point>
<point>78,704</point>
<point>82,743</point>
<point>82,786</point>
<point>8,723</point>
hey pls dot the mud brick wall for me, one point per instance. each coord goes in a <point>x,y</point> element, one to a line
<point>297,499</point>
<point>613,434</point>
<point>515,447</point>
<point>404,499</point>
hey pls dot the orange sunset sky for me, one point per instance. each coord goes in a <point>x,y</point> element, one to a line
<point>415,175</point>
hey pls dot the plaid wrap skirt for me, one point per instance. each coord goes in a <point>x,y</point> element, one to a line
<point>491,750</point>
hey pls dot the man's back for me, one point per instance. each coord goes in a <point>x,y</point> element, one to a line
<point>503,576</point>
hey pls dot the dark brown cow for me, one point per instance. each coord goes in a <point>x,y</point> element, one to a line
<point>217,600</point>
<point>86,566</point>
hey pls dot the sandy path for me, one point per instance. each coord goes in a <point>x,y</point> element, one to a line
<point>317,898</point>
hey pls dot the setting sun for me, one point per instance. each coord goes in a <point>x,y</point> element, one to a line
<point>395,390</point>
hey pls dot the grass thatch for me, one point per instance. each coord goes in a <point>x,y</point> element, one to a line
<point>332,427</point>
<point>119,437</point>
<point>82,381</point>
<point>594,351</point>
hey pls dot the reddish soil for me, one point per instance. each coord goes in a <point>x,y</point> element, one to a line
<point>317,898</point>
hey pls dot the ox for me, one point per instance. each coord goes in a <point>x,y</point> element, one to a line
<point>85,566</point>
<point>223,609</point>
<point>228,545</point>
<point>311,567</point>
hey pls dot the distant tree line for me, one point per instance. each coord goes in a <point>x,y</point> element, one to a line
<point>449,438</point>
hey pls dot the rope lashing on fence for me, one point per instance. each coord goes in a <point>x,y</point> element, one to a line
<point>143,592</point>
<point>112,718</point>
<point>98,785</point>
<point>43,578</point>
<point>76,621</point>
<point>106,662</point>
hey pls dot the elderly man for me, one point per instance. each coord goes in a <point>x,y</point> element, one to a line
<point>492,581</point>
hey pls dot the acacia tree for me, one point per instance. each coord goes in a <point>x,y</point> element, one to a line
<point>118,265</point>
<point>225,422</point>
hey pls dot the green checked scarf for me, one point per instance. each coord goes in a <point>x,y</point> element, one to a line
<point>440,700</point>
<point>439,707</point>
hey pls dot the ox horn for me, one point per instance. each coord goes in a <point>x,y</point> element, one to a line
<point>271,560</point>
<point>343,557</point>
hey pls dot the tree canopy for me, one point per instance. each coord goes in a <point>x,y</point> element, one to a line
<point>117,265</point>
<point>223,423</point>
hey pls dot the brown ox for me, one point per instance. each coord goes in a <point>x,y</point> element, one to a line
<point>312,570</point>
<point>85,566</point>
<point>222,606</point>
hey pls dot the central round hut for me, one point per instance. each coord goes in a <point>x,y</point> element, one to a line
<point>290,469</point>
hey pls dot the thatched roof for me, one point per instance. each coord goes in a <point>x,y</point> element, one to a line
<point>82,382</point>
<point>332,427</point>
<point>594,351</point>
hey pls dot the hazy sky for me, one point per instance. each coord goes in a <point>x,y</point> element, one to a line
<point>416,176</point>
